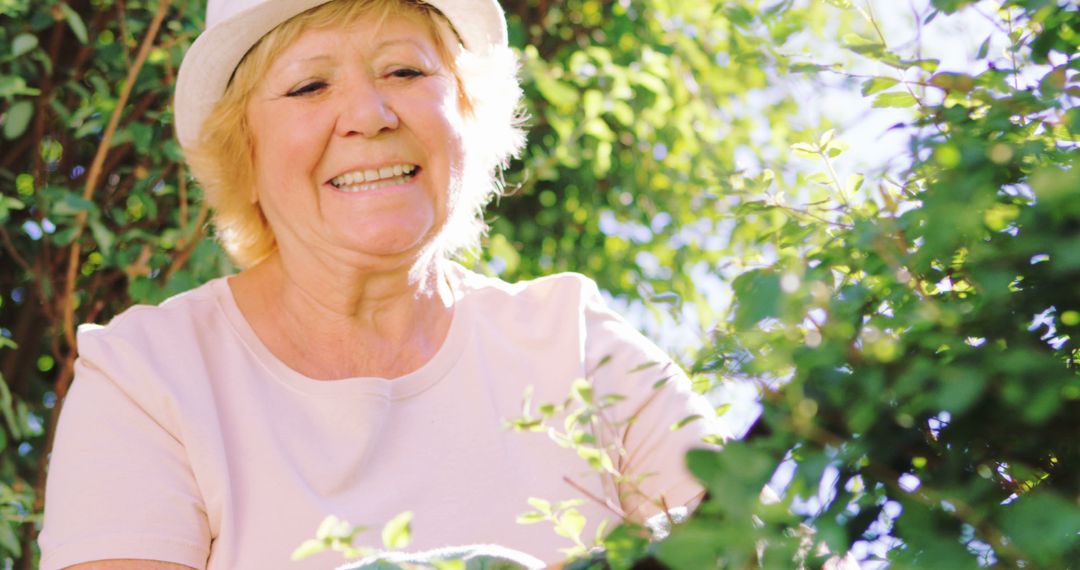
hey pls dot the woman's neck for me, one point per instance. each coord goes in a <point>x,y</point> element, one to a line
<point>330,321</point>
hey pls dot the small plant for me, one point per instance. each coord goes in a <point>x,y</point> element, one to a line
<point>338,535</point>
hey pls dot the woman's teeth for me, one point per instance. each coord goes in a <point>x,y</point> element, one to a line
<point>374,178</point>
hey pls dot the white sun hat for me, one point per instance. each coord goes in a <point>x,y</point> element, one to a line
<point>234,26</point>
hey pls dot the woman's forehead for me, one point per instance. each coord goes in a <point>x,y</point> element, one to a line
<point>370,33</point>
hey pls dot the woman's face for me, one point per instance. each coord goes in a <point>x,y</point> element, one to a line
<point>357,136</point>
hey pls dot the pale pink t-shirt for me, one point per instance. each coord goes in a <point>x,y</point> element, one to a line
<point>185,439</point>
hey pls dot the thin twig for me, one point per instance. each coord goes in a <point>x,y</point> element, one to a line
<point>121,17</point>
<point>181,185</point>
<point>667,511</point>
<point>10,247</point>
<point>94,173</point>
<point>926,496</point>
<point>1012,51</point>
<point>595,499</point>
<point>190,243</point>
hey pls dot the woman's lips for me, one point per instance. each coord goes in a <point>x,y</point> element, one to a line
<point>374,179</point>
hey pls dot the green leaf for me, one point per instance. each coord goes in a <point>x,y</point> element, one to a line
<point>896,99</point>
<point>862,45</point>
<point>582,390</point>
<point>563,505</point>
<point>7,408</point>
<point>836,148</point>
<point>984,48</point>
<point>877,84</point>
<point>13,85</point>
<point>23,43</point>
<point>397,534</point>
<point>928,65</point>
<point>531,518</point>
<point>625,545</point>
<point>6,205</point>
<point>308,548</point>
<point>9,540</point>
<point>102,236</point>
<point>75,21</point>
<point>757,295</point>
<point>593,103</point>
<point>854,184</point>
<point>570,523</point>
<point>602,162</point>
<point>17,119</point>
<point>1043,525</point>
<point>556,92</point>
<point>1072,120</point>
<point>598,128</point>
<point>334,528</point>
<point>540,505</point>
<point>685,421</point>
<point>805,150</point>
<point>598,459</point>
<point>622,112</point>
<point>950,6</point>
<point>67,203</point>
<point>501,247</point>
<point>667,298</point>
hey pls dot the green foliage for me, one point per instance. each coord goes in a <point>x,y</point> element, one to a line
<point>924,330</point>
<point>94,216</point>
<point>338,535</point>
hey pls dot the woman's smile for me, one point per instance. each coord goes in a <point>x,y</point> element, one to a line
<point>366,180</point>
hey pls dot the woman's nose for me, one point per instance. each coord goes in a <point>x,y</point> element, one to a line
<point>365,111</point>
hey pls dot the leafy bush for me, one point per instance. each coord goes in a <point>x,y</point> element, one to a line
<point>916,339</point>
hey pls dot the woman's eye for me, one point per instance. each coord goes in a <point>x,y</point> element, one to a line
<point>405,73</point>
<point>306,89</point>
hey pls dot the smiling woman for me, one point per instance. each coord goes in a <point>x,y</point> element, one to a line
<point>351,368</point>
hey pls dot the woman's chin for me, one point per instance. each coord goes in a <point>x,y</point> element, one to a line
<point>395,244</point>
<point>380,231</point>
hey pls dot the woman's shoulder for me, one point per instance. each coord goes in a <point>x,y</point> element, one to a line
<point>557,288</point>
<point>143,326</point>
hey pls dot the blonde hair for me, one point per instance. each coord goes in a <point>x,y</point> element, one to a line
<point>223,162</point>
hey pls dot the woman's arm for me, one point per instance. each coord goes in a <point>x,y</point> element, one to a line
<point>120,486</point>
<point>129,565</point>
<point>647,428</point>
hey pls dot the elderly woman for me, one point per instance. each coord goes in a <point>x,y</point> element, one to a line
<point>348,148</point>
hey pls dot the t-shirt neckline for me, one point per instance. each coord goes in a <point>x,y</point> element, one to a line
<point>397,388</point>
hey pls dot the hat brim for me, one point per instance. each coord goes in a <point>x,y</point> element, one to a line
<point>210,61</point>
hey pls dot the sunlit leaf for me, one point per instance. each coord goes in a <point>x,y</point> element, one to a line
<point>397,533</point>
<point>895,99</point>
<point>17,118</point>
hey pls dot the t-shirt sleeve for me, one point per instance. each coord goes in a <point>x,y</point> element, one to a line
<point>645,425</point>
<point>119,482</point>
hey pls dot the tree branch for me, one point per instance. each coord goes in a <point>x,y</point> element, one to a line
<point>95,171</point>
